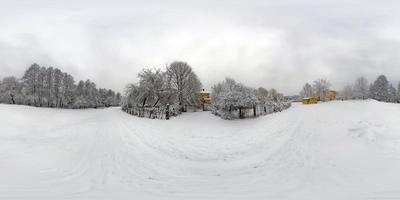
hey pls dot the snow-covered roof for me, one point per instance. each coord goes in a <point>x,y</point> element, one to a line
<point>203,91</point>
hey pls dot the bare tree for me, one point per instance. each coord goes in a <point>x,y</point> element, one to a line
<point>321,87</point>
<point>392,94</point>
<point>347,93</point>
<point>181,77</point>
<point>307,91</point>
<point>361,88</point>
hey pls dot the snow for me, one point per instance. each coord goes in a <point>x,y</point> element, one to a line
<point>334,150</point>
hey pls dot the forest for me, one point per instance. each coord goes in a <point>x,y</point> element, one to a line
<point>50,87</point>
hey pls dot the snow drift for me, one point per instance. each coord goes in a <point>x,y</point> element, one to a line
<point>335,150</point>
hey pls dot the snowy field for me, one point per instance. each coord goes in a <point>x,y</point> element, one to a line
<point>337,150</point>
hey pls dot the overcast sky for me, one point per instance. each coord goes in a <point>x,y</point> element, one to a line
<point>274,44</point>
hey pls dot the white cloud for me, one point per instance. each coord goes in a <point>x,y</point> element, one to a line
<point>261,43</point>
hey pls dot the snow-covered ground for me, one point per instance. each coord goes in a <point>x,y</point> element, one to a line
<point>336,150</point>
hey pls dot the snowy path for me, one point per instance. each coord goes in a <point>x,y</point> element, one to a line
<point>337,150</point>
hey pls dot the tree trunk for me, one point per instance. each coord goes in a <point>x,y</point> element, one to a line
<point>156,102</point>
<point>12,99</point>
<point>167,112</point>
<point>144,101</point>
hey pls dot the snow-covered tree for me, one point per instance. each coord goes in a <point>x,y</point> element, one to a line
<point>226,98</point>
<point>108,97</point>
<point>307,91</point>
<point>398,93</point>
<point>92,94</point>
<point>182,79</point>
<point>151,85</point>
<point>117,99</point>
<point>392,95</point>
<point>321,87</point>
<point>360,88</point>
<point>230,98</point>
<point>46,89</point>
<point>56,87</point>
<point>11,91</point>
<point>347,93</point>
<point>379,90</point>
<point>151,95</point>
<point>194,87</point>
<point>262,95</point>
<point>130,98</point>
<point>30,84</point>
<point>274,96</point>
<point>68,87</point>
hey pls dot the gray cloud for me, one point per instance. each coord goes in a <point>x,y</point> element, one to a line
<point>261,43</point>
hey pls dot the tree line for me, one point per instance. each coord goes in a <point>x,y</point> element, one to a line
<point>50,87</point>
<point>158,91</point>
<point>235,100</point>
<point>381,90</point>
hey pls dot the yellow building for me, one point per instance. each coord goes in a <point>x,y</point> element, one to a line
<point>203,100</point>
<point>310,100</point>
<point>331,95</point>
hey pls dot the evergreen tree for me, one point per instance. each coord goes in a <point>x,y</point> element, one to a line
<point>379,90</point>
